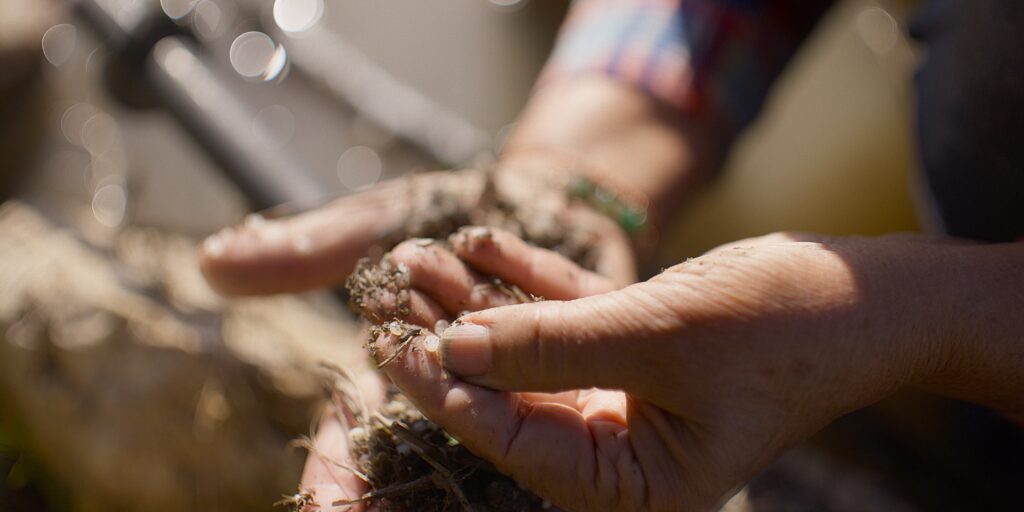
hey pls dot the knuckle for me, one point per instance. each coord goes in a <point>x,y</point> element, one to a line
<point>409,252</point>
<point>536,265</point>
<point>531,356</point>
<point>550,345</point>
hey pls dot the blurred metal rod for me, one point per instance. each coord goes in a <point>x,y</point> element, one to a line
<point>222,125</point>
<point>359,82</point>
<point>155,63</point>
<point>118,20</point>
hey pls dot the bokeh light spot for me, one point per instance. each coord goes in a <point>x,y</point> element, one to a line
<point>254,55</point>
<point>508,5</point>
<point>59,43</point>
<point>109,204</point>
<point>251,52</point>
<point>73,120</point>
<point>878,29</point>
<point>297,15</point>
<point>99,133</point>
<point>209,19</point>
<point>359,167</point>
<point>177,9</point>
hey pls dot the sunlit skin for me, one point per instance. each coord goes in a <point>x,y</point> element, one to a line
<point>712,368</point>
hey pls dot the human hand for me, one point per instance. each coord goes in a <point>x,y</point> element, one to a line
<point>319,248</point>
<point>327,477</point>
<point>706,372</point>
<point>441,285</point>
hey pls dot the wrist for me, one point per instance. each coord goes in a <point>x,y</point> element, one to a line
<point>907,308</point>
<point>584,182</point>
<point>978,332</point>
<point>640,142</point>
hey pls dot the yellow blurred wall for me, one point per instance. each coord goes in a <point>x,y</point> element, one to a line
<point>833,150</point>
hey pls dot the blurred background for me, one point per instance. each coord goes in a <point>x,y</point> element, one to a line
<point>344,94</point>
<point>130,129</point>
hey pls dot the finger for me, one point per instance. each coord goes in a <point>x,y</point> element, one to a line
<point>325,481</point>
<point>446,279</point>
<point>615,256</point>
<point>590,402</point>
<point>771,238</point>
<point>300,253</point>
<point>555,450</point>
<point>605,341</point>
<point>566,398</point>
<point>412,306</point>
<point>538,271</point>
<point>326,474</point>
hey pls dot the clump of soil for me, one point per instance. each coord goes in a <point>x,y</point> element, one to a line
<point>409,462</point>
<point>473,198</point>
<point>375,282</point>
<point>413,464</point>
<point>371,280</point>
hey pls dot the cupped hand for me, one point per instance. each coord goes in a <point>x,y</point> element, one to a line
<point>328,477</point>
<point>320,248</point>
<point>667,394</point>
<point>481,268</point>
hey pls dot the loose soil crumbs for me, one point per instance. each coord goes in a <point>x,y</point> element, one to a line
<point>409,462</point>
<point>438,212</point>
<point>370,280</point>
<point>413,464</point>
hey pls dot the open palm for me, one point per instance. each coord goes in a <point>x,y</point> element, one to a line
<point>445,281</point>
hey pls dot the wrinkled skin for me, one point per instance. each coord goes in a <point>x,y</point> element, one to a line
<point>707,371</point>
<point>442,285</point>
<point>669,393</point>
<point>320,248</point>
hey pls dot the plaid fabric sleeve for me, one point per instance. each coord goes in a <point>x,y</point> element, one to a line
<point>716,57</point>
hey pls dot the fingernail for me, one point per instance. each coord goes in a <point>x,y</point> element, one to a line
<point>215,245</point>
<point>254,220</point>
<point>481,235</point>
<point>441,326</point>
<point>466,349</point>
<point>432,343</point>
<point>474,239</point>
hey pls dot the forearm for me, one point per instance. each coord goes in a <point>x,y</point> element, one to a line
<point>982,331</point>
<point>649,94</point>
<point>939,314</point>
<point>628,139</point>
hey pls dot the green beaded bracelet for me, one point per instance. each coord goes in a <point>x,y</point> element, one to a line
<point>631,219</point>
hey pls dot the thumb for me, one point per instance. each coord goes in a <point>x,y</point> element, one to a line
<point>599,341</point>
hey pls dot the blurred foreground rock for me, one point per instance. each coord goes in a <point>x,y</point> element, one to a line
<point>138,387</point>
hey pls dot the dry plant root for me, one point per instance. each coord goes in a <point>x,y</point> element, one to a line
<point>411,464</point>
<point>298,502</point>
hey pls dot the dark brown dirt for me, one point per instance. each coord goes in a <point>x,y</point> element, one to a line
<point>439,212</point>
<point>412,464</point>
<point>371,280</point>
